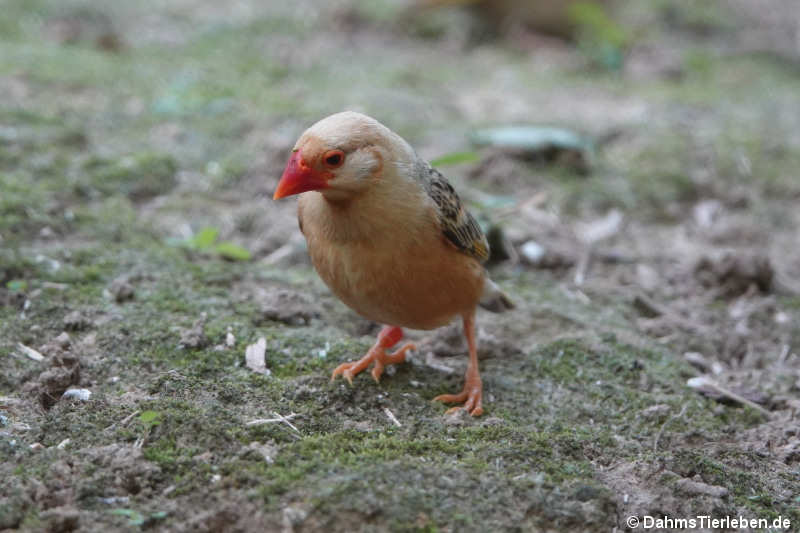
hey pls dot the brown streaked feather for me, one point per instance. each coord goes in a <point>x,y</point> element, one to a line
<point>300,219</point>
<point>458,225</point>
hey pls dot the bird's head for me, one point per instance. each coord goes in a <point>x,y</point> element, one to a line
<point>341,156</point>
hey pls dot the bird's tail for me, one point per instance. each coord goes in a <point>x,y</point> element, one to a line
<point>493,299</point>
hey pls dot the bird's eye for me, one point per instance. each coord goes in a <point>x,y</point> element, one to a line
<point>333,158</point>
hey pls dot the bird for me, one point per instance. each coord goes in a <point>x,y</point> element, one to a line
<point>390,237</point>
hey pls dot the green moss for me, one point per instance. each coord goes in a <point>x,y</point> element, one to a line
<point>138,176</point>
<point>746,485</point>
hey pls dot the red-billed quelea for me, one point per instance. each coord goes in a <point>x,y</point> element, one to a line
<point>390,237</point>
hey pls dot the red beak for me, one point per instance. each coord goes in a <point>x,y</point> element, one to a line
<point>299,177</point>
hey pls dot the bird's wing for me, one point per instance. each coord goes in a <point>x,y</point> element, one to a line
<point>458,225</point>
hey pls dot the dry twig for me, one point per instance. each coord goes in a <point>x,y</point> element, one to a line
<point>391,416</point>
<point>664,425</point>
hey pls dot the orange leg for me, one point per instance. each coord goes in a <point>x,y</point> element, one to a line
<point>472,394</point>
<point>388,337</point>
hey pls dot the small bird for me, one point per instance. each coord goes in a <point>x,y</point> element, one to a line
<point>390,237</point>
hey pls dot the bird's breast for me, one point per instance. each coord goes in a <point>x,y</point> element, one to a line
<point>416,282</point>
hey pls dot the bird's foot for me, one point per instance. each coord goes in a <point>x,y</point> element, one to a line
<point>388,337</point>
<point>471,397</point>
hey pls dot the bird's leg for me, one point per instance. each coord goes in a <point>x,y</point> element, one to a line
<point>473,387</point>
<point>388,337</point>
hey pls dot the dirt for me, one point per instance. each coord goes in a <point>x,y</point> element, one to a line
<point>63,370</point>
<point>194,337</point>
<point>288,307</point>
<point>126,130</point>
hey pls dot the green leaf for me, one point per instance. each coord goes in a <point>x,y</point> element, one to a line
<point>135,517</point>
<point>204,239</point>
<point>150,418</point>
<point>228,250</point>
<point>455,158</point>
<point>124,512</point>
<point>598,35</point>
<point>17,285</point>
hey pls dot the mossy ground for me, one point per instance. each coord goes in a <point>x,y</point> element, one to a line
<point>110,155</point>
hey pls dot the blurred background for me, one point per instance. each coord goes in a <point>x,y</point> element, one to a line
<point>635,165</point>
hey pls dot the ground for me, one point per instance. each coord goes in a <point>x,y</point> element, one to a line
<point>141,254</point>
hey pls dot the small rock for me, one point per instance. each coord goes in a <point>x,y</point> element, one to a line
<point>697,487</point>
<point>121,290</point>
<point>77,394</point>
<point>552,256</point>
<point>647,307</point>
<point>266,451</point>
<point>532,252</point>
<point>47,233</point>
<point>195,337</point>
<point>76,321</point>
<point>304,392</point>
<point>705,213</point>
<point>700,362</point>
<point>647,277</point>
<point>286,306</point>
<point>293,516</point>
<point>63,340</point>
<point>322,353</point>
<point>457,417</point>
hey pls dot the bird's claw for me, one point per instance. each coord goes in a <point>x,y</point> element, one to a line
<point>346,371</point>
<point>471,396</point>
<point>376,355</point>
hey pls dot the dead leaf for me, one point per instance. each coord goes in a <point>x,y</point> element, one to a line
<point>255,357</point>
<point>30,352</point>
